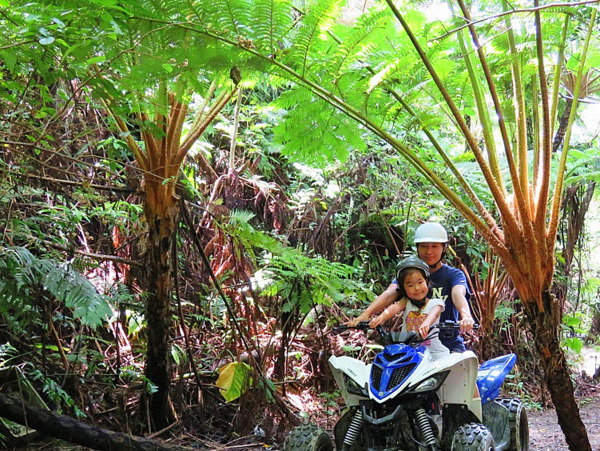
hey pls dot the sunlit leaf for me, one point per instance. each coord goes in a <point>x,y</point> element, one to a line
<point>234,380</point>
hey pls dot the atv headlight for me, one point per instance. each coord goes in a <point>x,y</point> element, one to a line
<point>431,383</point>
<point>353,387</point>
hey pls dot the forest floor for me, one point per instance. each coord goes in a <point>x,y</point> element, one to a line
<point>544,431</point>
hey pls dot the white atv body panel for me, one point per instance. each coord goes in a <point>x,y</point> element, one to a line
<point>458,388</point>
<point>355,369</point>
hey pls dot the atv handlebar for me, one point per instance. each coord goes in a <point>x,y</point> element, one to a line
<point>363,325</point>
<point>445,329</point>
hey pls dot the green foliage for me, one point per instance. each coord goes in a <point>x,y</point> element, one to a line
<point>572,330</point>
<point>270,30</point>
<point>25,280</point>
<point>56,393</point>
<point>303,282</point>
<point>584,164</point>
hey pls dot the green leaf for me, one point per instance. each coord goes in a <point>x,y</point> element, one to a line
<point>10,60</point>
<point>46,40</point>
<point>234,380</point>
<point>575,344</point>
<point>571,321</point>
<point>96,60</point>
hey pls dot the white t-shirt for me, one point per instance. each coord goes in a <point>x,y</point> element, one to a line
<point>413,317</point>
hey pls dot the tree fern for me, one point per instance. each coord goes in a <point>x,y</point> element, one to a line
<point>24,276</point>
<point>232,16</point>
<point>358,42</point>
<point>319,19</point>
<point>303,282</point>
<point>271,20</point>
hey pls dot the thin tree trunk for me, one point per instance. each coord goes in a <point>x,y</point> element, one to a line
<point>544,326</point>
<point>576,203</point>
<point>595,327</point>
<point>158,317</point>
<point>559,137</point>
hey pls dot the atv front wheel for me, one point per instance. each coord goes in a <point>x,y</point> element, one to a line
<point>308,437</point>
<point>473,437</point>
<point>519,426</point>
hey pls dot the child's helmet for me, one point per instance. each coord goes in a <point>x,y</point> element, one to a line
<point>431,232</point>
<point>412,262</point>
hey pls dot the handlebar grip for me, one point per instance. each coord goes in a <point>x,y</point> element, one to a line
<point>363,325</point>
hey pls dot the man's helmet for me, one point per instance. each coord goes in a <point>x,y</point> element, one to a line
<point>412,262</point>
<point>431,232</point>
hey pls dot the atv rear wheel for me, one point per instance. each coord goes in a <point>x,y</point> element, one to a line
<point>308,437</point>
<point>473,437</point>
<point>519,426</point>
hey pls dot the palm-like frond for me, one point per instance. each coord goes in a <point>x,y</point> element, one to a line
<point>23,275</point>
<point>230,16</point>
<point>312,27</point>
<point>271,24</point>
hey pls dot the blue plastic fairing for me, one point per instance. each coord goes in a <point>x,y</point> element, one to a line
<point>391,368</point>
<point>491,375</point>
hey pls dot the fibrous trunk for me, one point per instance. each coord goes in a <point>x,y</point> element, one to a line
<point>545,327</point>
<point>159,267</point>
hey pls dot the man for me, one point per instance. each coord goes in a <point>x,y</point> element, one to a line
<point>448,284</point>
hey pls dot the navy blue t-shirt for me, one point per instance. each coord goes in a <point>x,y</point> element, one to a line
<point>442,282</point>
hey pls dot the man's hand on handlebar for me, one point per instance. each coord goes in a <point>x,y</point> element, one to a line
<point>466,324</point>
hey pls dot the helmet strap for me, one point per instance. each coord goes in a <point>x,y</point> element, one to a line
<point>418,304</point>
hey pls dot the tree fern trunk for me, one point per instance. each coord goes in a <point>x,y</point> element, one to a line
<point>158,318</point>
<point>545,327</point>
<point>576,203</point>
<point>559,137</point>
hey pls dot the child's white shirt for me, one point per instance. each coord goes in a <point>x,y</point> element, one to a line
<point>413,317</point>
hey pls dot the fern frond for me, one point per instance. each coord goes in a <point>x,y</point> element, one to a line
<point>240,217</point>
<point>78,294</point>
<point>313,26</point>
<point>271,22</point>
<point>23,273</point>
<point>359,42</point>
<point>231,16</point>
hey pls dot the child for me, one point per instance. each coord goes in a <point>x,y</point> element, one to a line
<point>420,312</point>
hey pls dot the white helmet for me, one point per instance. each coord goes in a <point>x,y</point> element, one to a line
<point>431,232</point>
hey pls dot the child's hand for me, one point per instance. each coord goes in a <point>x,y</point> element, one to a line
<point>424,330</point>
<point>360,318</point>
<point>378,320</point>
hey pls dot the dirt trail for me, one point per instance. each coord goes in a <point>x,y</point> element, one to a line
<point>545,434</point>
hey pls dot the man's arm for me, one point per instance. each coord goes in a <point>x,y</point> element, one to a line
<point>459,300</point>
<point>384,300</point>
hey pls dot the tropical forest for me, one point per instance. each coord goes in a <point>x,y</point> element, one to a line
<point>200,199</point>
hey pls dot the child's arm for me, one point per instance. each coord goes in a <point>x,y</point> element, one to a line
<point>389,313</point>
<point>430,319</point>
<point>382,301</point>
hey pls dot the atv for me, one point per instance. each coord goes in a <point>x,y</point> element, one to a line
<point>406,400</point>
